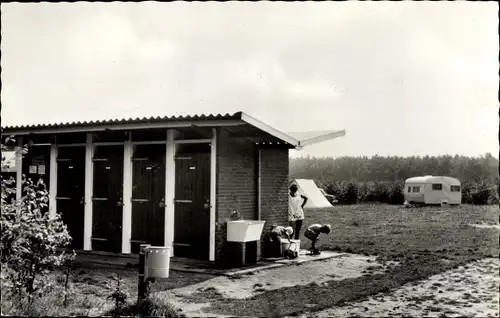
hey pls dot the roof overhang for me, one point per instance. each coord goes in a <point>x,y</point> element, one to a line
<point>119,126</point>
<point>295,140</point>
<point>314,137</point>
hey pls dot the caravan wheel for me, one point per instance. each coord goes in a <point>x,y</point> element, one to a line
<point>444,203</point>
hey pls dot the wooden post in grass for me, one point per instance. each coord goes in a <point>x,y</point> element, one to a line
<point>142,288</point>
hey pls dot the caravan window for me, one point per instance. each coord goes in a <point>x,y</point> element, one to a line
<point>416,189</point>
<point>437,186</point>
<point>455,188</point>
<point>409,189</point>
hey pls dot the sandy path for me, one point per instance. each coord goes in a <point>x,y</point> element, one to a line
<point>486,226</point>
<point>339,268</point>
<point>345,266</point>
<point>471,290</point>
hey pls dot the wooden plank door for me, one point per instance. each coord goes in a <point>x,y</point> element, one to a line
<point>71,191</point>
<point>192,205</point>
<point>148,196</point>
<point>107,199</point>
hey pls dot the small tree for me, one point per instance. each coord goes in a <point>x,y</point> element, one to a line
<point>30,239</point>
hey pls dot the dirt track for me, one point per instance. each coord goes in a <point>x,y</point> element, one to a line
<point>470,291</point>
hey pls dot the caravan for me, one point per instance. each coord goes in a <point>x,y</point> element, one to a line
<point>433,190</point>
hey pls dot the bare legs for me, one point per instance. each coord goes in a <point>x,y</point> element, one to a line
<point>296,225</point>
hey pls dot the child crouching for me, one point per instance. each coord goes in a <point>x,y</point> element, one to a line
<point>277,232</point>
<point>313,232</point>
<point>275,235</point>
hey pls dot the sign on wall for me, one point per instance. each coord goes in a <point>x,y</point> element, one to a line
<point>33,169</point>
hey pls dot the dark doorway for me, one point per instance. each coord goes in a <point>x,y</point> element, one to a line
<point>148,196</point>
<point>71,191</point>
<point>36,166</point>
<point>107,199</point>
<point>192,201</point>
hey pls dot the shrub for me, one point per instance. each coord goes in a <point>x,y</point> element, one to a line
<point>367,192</point>
<point>345,192</point>
<point>392,192</point>
<point>154,306</point>
<point>397,193</point>
<point>119,295</point>
<point>29,241</point>
<point>480,194</point>
<point>351,192</point>
<point>494,195</point>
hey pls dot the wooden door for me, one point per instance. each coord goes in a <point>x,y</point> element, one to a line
<point>148,196</point>
<point>71,191</point>
<point>192,205</point>
<point>107,199</point>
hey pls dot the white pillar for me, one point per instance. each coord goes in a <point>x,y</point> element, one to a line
<point>259,195</point>
<point>53,180</point>
<point>213,178</point>
<point>19,168</point>
<point>127,196</point>
<point>89,179</point>
<point>170,190</point>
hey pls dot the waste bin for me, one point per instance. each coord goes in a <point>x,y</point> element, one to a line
<point>158,261</point>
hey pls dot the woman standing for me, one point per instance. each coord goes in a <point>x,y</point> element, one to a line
<point>296,209</point>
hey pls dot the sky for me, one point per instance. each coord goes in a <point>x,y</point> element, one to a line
<point>402,78</point>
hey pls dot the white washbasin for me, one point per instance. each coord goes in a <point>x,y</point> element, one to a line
<point>244,230</point>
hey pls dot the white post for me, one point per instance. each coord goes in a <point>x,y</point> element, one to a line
<point>53,181</point>
<point>170,190</point>
<point>259,195</point>
<point>259,184</point>
<point>19,168</point>
<point>127,195</point>
<point>89,179</point>
<point>213,178</point>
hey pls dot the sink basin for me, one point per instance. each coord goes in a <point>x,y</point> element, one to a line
<point>244,230</point>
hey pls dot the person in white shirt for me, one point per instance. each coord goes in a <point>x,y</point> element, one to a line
<point>296,202</point>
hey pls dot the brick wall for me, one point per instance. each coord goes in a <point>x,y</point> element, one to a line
<point>274,189</point>
<point>236,186</point>
<point>237,189</point>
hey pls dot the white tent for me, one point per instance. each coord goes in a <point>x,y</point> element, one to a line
<point>308,188</point>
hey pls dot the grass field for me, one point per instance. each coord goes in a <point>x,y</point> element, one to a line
<point>426,241</point>
<point>394,231</point>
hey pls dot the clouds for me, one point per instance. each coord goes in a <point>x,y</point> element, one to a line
<point>372,68</point>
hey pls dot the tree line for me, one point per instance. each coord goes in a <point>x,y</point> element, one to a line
<point>381,178</point>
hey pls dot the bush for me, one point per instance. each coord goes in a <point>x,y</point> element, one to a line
<point>397,193</point>
<point>367,192</point>
<point>392,192</point>
<point>29,241</point>
<point>351,192</point>
<point>344,192</point>
<point>382,192</point>
<point>494,197</point>
<point>154,306</point>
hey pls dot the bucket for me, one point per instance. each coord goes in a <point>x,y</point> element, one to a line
<point>285,245</point>
<point>157,261</point>
<point>295,246</point>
